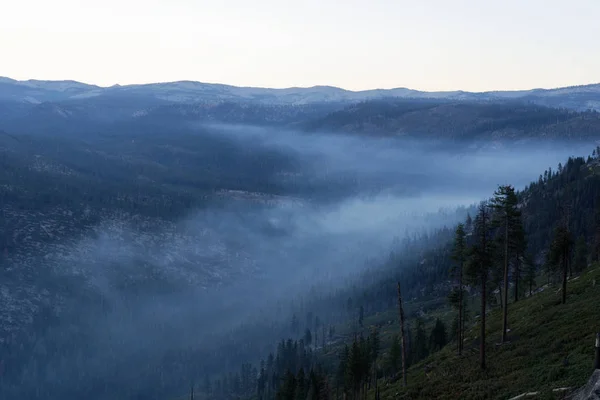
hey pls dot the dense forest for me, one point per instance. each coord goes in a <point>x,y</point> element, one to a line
<point>460,121</point>
<point>96,231</point>
<point>498,255</point>
<point>192,251</point>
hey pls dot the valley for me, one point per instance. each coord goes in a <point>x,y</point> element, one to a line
<point>156,237</point>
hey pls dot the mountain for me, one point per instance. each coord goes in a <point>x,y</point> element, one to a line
<point>68,107</point>
<point>550,348</point>
<point>34,91</point>
<point>471,122</point>
<point>466,120</point>
<point>151,235</point>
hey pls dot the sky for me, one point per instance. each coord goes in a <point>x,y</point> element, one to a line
<point>473,45</point>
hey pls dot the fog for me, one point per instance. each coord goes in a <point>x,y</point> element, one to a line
<point>145,288</point>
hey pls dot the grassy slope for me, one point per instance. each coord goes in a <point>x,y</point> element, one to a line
<point>551,346</point>
<point>543,334</point>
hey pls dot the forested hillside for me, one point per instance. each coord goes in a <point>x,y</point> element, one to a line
<point>508,120</point>
<point>494,119</point>
<point>552,230</point>
<point>169,240</point>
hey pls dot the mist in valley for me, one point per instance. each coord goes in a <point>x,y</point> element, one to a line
<point>138,305</point>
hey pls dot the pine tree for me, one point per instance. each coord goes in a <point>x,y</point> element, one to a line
<point>596,238</point>
<point>301,387</point>
<point>409,345</point>
<point>518,242</point>
<point>458,255</point>
<point>438,337</point>
<point>394,355</point>
<point>402,332</point>
<point>342,378</point>
<point>295,325</point>
<point>560,254</point>
<point>364,364</point>
<point>580,255</point>
<point>262,381</point>
<point>313,386</point>
<point>354,368</point>
<point>504,203</point>
<point>361,316</point>
<point>469,223</point>
<point>530,273</point>
<point>374,345</point>
<point>309,320</point>
<point>420,348</point>
<point>508,217</point>
<point>478,267</point>
<point>288,389</point>
<point>307,337</point>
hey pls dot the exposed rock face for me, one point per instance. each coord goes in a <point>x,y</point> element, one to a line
<point>591,391</point>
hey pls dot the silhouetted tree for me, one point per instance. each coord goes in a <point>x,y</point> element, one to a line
<point>530,273</point>
<point>459,253</point>
<point>307,337</point>
<point>581,254</point>
<point>420,346</point>
<point>361,316</point>
<point>478,267</point>
<point>438,337</point>
<point>393,360</point>
<point>507,216</point>
<point>560,253</point>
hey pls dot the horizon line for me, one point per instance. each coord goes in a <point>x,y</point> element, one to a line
<point>31,80</point>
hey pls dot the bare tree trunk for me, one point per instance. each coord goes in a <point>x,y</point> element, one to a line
<point>482,334</point>
<point>517,267</point>
<point>564,282</point>
<point>505,307</point>
<point>530,287</point>
<point>401,310</point>
<point>376,383</point>
<point>462,333</point>
<point>458,336</point>
<point>501,298</point>
<point>460,309</point>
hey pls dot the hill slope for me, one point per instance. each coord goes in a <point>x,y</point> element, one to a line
<point>551,346</point>
<point>434,119</point>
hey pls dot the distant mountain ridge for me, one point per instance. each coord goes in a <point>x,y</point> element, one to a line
<point>579,98</point>
<point>73,108</point>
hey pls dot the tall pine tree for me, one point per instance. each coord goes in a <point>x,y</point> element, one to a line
<point>507,216</point>
<point>458,255</point>
<point>560,254</point>
<point>478,267</point>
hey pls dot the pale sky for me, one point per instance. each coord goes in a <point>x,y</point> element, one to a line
<point>472,45</point>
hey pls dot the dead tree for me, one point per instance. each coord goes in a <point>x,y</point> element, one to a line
<point>401,310</point>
